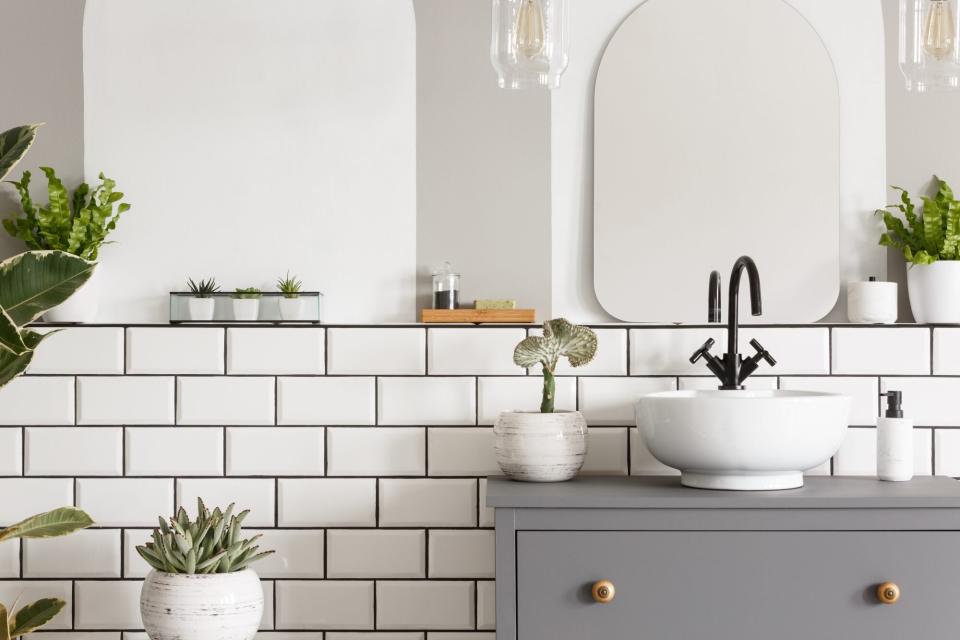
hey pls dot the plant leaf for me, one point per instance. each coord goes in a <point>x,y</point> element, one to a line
<point>577,344</point>
<point>34,615</point>
<point>533,350</point>
<point>58,522</point>
<point>12,366</point>
<point>14,144</point>
<point>4,623</point>
<point>932,226</point>
<point>10,338</point>
<point>36,281</point>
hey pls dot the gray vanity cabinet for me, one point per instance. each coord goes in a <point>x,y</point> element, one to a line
<point>686,564</point>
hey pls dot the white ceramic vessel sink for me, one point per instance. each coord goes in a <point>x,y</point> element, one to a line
<point>743,440</point>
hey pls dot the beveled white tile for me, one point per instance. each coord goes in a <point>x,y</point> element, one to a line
<point>174,451</point>
<point>922,452</point>
<point>275,350</point>
<point>91,553</point>
<point>374,451</point>
<point>610,359</point>
<point>372,635</point>
<point>948,453</point>
<point>74,451</point>
<point>23,497</point>
<point>79,350</point>
<point>463,451</point>
<point>275,451</point>
<point>254,494</point>
<point>125,502</point>
<point>133,565</point>
<point>376,351</point>
<point>428,503</point>
<point>427,401</point>
<point>328,502</point>
<point>185,350</point>
<point>268,619</point>
<point>929,402</point>
<point>797,351</point>
<point>474,351</point>
<point>33,590</point>
<point>11,451</point>
<point>611,401</point>
<point>461,554</point>
<point>486,605</point>
<point>10,559</point>
<point>225,401</point>
<point>31,400</point>
<point>521,394</point>
<point>425,604</point>
<point>642,462</point>
<point>128,400</point>
<point>864,394</point>
<point>298,553</point>
<point>328,401</point>
<point>858,454</point>
<point>606,451</point>
<point>487,514</point>
<point>85,635</point>
<point>881,350</point>
<point>317,604</point>
<point>657,352</point>
<point>946,351</point>
<point>108,604</point>
<point>461,635</point>
<point>376,553</point>
<point>292,635</point>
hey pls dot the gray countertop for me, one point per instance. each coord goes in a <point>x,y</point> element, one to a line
<point>659,492</point>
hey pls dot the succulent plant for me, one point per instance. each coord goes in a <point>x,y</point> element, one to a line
<point>210,544</point>
<point>560,338</point>
<point>289,286</point>
<point>203,289</point>
<point>247,293</point>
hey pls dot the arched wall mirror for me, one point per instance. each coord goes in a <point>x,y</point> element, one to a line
<point>717,134</point>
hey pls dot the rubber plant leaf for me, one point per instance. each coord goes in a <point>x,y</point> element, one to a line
<point>34,615</point>
<point>14,144</point>
<point>12,366</point>
<point>10,339</point>
<point>4,623</point>
<point>36,281</point>
<point>50,524</point>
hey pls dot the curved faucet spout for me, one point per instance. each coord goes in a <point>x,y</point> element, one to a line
<point>732,356</point>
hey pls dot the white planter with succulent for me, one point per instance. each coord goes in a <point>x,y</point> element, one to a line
<point>201,586</point>
<point>292,306</point>
<point>549,445</point>
<point>202,305</point>
<point>930,242</point>
<point>246,304</point>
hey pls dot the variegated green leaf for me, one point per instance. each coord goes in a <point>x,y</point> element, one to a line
<point>14,144</point>
<point>34,615</point>
<point>10,339</point>
<point>58,522</point>
<point>12,366</point>
<point>4,623</point>
<point>32,283</point>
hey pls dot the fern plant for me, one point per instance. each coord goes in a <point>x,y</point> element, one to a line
<point>204,288</point>
<point>209,544</point>
<point>560,338</point>
<point>77,224</point>
<point>289,286</point>
<point>930,234</point>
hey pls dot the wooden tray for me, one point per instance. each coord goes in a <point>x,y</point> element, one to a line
<point>478,316</point>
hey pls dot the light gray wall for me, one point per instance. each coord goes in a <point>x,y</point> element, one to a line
<point>42,54</point>
<point>923,138</point>
<point>483,163</point>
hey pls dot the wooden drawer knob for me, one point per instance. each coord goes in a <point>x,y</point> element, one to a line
<point>603,591</point>
<point>888,593</point>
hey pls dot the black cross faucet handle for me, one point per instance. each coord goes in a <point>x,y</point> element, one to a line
<point>703,351</point>
<point>762,353</point>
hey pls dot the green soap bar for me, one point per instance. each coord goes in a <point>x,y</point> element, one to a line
<point>495,304</point>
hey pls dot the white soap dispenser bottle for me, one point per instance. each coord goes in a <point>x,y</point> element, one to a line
<point>894,441</point>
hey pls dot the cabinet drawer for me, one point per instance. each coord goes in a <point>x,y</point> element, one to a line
<point>743,585</point>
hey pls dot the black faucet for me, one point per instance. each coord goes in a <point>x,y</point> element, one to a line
<point>733,369</point>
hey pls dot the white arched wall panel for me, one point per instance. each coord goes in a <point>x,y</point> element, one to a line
<point>252,137</point>
<point>851,30</point>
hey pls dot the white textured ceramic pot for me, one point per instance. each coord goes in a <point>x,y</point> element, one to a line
<point>217,606</point>
<point>246,308</point>
<point>540,447</point>
<point>201,308</point>
<point>82,306</point>
<point>293,308</point>
<point>934,291</point>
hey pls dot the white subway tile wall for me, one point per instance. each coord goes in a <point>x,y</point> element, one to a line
<point>362,451</point>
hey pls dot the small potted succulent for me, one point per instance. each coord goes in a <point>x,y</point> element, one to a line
<point>246,304</point>
<point>292,306</point>
<point>201,585</point>
<point>201,306</point>
<point>930,243</point>
<point>548,445</point>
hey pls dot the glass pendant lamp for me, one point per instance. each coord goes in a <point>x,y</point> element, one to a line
<point>929,54</point>
<point>529,43</point>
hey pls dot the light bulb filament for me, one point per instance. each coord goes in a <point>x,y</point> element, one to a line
<point>531,30</point>
<point>938,32</point>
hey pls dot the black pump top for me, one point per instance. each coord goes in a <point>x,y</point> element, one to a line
<point>894,404</point>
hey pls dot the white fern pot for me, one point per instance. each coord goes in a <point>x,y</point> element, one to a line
<point>82,306</point>
<point>934,291</point>
<point>201,308</point>
<point>293,308</point>
<point>246,308</point>
<point>217,606</point>
<point>540,447</point>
